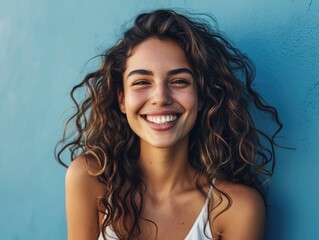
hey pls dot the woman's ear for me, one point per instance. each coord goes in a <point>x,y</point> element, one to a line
<point>121,100</point>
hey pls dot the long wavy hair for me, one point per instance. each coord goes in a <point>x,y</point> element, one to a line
<point>224,143</point>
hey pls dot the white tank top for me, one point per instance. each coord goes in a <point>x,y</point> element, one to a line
<point>196,232</point>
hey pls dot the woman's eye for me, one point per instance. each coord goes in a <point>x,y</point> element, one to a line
<point>180,82</point>
<point>140,82</point>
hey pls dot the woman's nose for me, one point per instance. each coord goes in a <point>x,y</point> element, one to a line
<point>161,95</point>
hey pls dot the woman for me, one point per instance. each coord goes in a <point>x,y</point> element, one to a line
<point>165,145</point>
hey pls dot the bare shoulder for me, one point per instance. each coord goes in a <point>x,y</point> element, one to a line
<point>243,197</point>
<point>78,176</point>
<point>244,219</point>
<point>77,169</point>
<point>83,192</point>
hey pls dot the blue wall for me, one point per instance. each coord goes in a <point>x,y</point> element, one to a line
<point>44,46</point>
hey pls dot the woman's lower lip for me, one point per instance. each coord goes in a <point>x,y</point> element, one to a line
<point>161,127</point>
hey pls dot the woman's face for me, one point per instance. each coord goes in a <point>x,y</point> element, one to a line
<point>160,94</point>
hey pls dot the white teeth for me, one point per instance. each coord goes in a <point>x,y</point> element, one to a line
<point>161,119</point>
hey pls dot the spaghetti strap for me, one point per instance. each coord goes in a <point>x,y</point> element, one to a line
<point>201,228</point>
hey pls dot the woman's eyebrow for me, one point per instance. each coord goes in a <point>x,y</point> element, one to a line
<point>140,72</point>
<point>180,70</point>
<point>169,73</point>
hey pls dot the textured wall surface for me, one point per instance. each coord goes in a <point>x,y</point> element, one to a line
<point>44,47</point>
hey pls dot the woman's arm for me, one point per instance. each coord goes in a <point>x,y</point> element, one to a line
<point>244,220</point>
<point>81,202</point>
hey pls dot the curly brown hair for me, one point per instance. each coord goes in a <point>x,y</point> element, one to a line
<point>224,143</point>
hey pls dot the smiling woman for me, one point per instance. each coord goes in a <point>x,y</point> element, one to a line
<point>166,147</point>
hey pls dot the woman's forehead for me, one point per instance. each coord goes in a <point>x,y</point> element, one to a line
<point>154,53</point>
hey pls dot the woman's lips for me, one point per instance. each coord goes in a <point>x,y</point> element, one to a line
<point>161,122</point>
<point>161,119</point>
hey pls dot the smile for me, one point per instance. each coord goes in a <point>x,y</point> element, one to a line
<point>161,119</point>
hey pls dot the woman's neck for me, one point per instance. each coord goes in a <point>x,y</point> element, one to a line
<point>166,170</point>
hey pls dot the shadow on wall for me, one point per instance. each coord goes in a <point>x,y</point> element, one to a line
<point>277,221</point>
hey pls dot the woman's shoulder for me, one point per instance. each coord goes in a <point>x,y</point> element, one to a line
<point>83,191</point>
<point>78,177</point>
<point>239,193</point>
<point>243,209</point>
